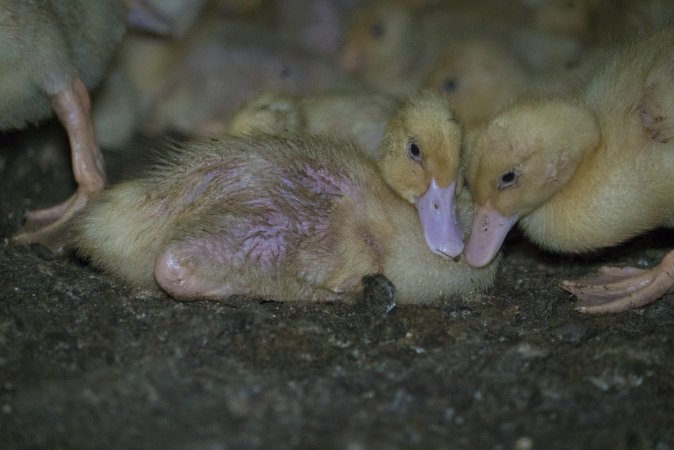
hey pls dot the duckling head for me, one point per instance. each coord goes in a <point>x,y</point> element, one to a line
<point>521,159</point>
<point>419,158</point>
<point>378,38</point>
<point>478,77</point>
<point>270,112</point>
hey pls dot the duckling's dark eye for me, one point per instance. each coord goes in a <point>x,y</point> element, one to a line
<point>377,30</point>
<point>414,152</point>
<point>508,179</point>
<point>450,85</point>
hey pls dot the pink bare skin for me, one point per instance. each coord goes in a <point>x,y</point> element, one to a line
<point>47,226</point>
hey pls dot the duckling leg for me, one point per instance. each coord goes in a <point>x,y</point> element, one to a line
<point>619,289</point>
<point>47,226</point>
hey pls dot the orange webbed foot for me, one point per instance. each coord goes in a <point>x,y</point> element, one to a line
<point>616,289</point>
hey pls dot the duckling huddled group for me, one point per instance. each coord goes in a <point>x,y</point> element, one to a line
<point>322,141</point>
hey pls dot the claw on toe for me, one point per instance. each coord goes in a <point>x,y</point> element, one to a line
<point>616,289</point>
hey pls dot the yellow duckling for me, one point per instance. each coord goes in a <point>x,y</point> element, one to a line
<point>361,116</point>
<point>384,46</point>
<point>481,76</point>
<point>580,174</point>
<point>285,217</point>
<point>391,44</point>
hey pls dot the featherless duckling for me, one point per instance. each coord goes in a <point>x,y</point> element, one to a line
<point>288,217</point>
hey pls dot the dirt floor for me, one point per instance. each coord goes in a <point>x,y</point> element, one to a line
<point>86,362</point>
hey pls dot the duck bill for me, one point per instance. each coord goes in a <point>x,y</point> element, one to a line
<point>490,229</point>
<point>439,220</point>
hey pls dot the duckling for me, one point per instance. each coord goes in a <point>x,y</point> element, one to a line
<point>270,112</point>
<point>287,217</point>
<point>418,154</point>
<point>392,46</point>
<point>361,116</point>
<point>481,76</point>
<point>584,173</point>
<point>558,33</point>
<point>419,158</point>
<point>52,53</point>
<point>379,47</point>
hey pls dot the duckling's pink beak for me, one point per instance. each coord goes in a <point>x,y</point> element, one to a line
<point>490,229</point>
<point>439,221</point>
